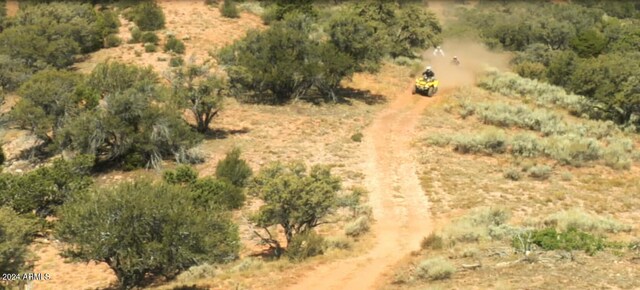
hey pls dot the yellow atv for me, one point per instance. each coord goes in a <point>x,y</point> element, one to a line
<point>424,86</point>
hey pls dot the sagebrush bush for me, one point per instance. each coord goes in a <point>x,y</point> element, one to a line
<point>305,245</point>
<point>579,219</point>
<point>432,241</point>
<point>358,227</point>
<point>183,174</point>
<point>112,40</point>
<point>175,45</point>
<point>136,35</point>
<point>512,85</point>
<point>197,272</point>
<point>147,15</point>
<point>489,141</point>
<point>340,243</point>
<point>229,9</point>
<point>572,149</point>
<point>437,268</point>
<point>149,37</point>
<point>616,157</point>
<point>176,61</point>
<point>437,139</point>
<point>541,172</point>
<point>234,169</point>
<point>526,145</point>
<point>474,226</point>
<point>513,174</point>
<point>150,47</point>
<point>357,137</point>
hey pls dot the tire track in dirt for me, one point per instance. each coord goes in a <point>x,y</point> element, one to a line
<point>400,207</point>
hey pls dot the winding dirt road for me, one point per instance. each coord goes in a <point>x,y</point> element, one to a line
<point>400,207</point>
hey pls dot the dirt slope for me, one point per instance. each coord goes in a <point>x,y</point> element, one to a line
<point>399,204</point>
<point>400,207</point>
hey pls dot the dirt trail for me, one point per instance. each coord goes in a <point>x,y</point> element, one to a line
<point>399,205</point>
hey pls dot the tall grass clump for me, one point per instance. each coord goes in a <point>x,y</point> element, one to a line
<point>579,219</point>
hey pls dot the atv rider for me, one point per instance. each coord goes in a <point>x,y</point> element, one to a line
<point>455,61</point>
<point>428,73</point>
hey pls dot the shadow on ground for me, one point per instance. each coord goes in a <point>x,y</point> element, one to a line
<point>348,95</point>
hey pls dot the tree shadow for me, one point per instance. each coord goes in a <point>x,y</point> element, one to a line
<point>348,95</point>
<point>218,133</point>
<point>192,287</point>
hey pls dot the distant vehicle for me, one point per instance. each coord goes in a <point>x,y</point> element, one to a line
<point>455,61</point>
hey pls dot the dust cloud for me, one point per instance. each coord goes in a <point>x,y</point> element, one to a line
<point>474,59</point>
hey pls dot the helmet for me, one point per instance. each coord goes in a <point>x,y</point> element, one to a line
<point>429,67</point>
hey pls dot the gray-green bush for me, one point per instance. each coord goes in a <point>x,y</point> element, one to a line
<point>489,141</point>
<point>541,172</point>
<point>437,268</point>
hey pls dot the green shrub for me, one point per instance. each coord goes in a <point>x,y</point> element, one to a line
<point>438,268</point>
<point>489,142</point>
<point>569,240</point>
<point>357,137</point>
<point>112,40</point>
<point>176,61</point>
<point>150,47</point>
<point>513,174</point>
<point>475,226</point>
<point>148,16</point>
<point>149,37</point>
<point>229,9</point>
<point>44,189</point>
<point>156,228</point>
<point>197,272</point>
<point>541,172</point>
<point>183,174</point>
<point>526,145</point>
<point>357,227</point>
<point>234,169</point>
<point>617,154</point>
<point>581,220</point>
<point>17,232</point>
<point>340,243</point>
<point>216,193</point>
<point>439,140</point>
<point>133,161</point>
<point>572,149</point>
<point>3,157</point>
<point>432,241</point>
<point>136,35</point>
<point>305,245</point>
<point>174,44</point>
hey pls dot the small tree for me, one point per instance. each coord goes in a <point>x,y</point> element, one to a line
<point>293,199</point>
<point>16,233</point>
<point>48,99</point>
<point>234,169</point>
<point>199,92</point>
<point>229,9</point>
<point>175,45</point>
<point>44,189</point>
<point>141,229</point>
<point>148,16</point>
